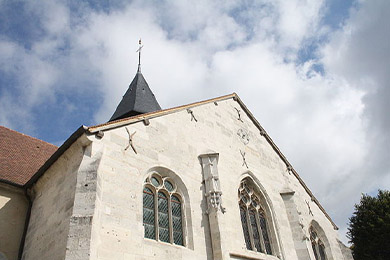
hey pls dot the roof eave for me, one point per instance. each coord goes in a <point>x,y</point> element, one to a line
<point>14,184</point>
<point>150,115</point>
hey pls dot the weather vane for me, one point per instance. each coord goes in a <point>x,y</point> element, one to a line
<point>139,55</point>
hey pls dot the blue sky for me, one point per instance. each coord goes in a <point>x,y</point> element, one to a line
<point>314,73</point>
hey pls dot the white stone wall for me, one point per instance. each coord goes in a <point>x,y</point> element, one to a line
<point>174,141</point>
<point>13,208</point>
<point>53,199</point>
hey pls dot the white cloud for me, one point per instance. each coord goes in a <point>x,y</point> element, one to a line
<point>333,126</point>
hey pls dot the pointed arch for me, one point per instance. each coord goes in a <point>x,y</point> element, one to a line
<point>320,245</point>
<point>260,231</point>
<point>171,209</point>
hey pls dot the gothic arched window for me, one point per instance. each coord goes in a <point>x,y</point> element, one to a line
<point>162,210</point>
<point>317,245</point>
<point>254,219</point>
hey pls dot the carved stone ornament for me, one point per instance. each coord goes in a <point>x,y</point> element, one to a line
<point>212,185</point>
<point>215,199</point>
<point>244,135</point>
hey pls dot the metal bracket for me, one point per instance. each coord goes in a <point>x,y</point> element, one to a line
<point>239,114</point>
<point>243,159</point>
<point>192,115</point>
<point>130,140</point>
<point>308,206</point>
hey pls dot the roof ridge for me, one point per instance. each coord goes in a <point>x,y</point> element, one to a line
<point>29,136</point>
<point>162,111</point>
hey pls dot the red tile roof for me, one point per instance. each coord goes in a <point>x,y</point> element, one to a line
<point>21,155</point>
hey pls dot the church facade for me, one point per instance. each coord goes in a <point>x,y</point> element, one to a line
<point>199,181</point>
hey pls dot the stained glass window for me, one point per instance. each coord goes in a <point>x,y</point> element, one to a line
<point>317,245</point>
<point>245,228</point>
<point>168,185</point>
<point>255,230</point>
<point>321,250</point>
<point>162,211</point>
<point>148,219</point>
<point>263,224</point>
<point>253,219</point>
<point>163,218</point>
<point>155,181</point>
<point>177,221</point>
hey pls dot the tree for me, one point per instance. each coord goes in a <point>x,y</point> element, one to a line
<point>369,228</point>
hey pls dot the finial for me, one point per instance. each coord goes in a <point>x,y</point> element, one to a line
<point>139,55</point>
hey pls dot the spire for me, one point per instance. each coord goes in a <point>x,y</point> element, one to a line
<point>138,99</point>
<point>139,55</point>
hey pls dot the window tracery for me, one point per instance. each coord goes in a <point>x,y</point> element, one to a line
<point>253,219</point>
<point>317,245</point>
<point>162,210</point>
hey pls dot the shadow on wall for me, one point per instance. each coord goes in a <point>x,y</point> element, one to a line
<point>13,208</point>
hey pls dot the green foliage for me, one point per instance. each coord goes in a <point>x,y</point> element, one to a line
<point>369,228</point>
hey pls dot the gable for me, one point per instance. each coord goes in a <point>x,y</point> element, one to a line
<point>189,114</point>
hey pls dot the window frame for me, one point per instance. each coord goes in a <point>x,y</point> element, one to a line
<point>169,194</point>
<point>247,186</point>
<point>316,243</point>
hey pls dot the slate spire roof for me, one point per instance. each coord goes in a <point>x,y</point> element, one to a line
<point>138,99</point>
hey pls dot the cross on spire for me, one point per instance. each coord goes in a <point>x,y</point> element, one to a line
<point>139,54</point>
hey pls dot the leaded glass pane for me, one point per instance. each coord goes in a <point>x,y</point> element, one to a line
<point>255,231</point>
<point>313,245</point>
<point>321,248</point>
<point>148,214</point>
<point>263,225</point>
<point>164,234</point>
<point>148,198</point>
<point>150,231</point>
<point>163,218</point>
<point>244,224</point>
<point>313,234</point>
<point>168,185</point>
<point>155,181</point>
<point>176,207</point>
<point>246,188</point>
<point>177,221</point>
<point>178,238</point>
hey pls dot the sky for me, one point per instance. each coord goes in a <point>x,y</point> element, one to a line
<point>315,73</point>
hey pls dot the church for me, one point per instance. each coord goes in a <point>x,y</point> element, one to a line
<point>199,181</point>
